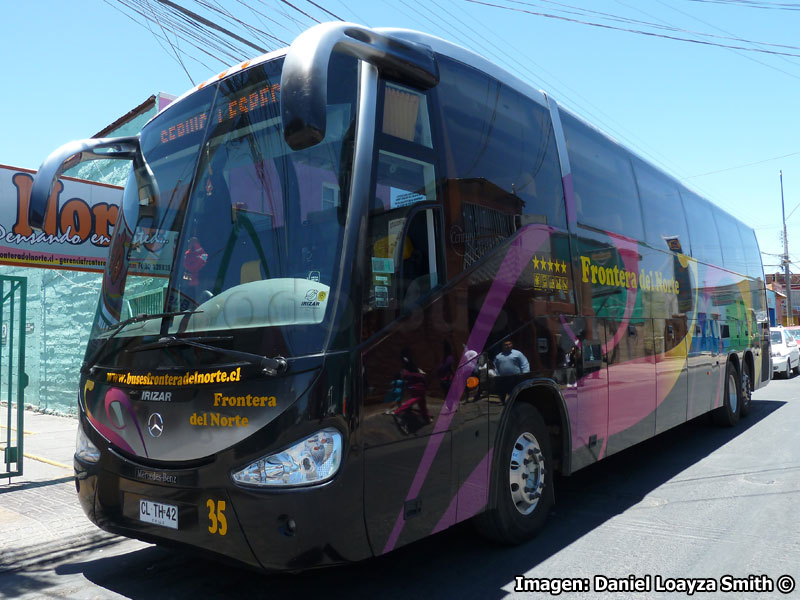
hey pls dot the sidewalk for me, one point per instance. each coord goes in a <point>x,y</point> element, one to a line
<point>40,517</point>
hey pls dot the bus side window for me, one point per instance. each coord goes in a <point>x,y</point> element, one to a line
<point>402,245</point>
<point>605,189</point>
<point>733,255</point>
<point>421,271</point>
<point>502,169</point>
<point>665,225</point>
<point>702,228</point>
<point>406,263</point>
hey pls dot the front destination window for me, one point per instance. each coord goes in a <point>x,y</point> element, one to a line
<point>238,229</point>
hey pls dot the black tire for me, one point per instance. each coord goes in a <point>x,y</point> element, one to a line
<point>788,373</point>
<point>728,414</point>
<point>514,515</point>
<point>747,392</point>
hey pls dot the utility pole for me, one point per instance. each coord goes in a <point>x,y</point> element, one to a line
<point>787,276</point>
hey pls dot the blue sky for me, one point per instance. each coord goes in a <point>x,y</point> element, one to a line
<point>700,112</point>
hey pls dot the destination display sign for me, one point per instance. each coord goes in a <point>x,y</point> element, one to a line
<point>240,105</point>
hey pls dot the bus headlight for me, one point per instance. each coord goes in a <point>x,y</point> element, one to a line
<point>312,460</point>
<point>85,450</point>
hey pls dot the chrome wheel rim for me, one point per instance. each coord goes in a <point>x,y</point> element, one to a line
<point>733,396</point>
<point>526,473</point>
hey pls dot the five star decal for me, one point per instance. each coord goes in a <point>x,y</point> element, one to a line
<point>549,265</point>
<point>549,278</point>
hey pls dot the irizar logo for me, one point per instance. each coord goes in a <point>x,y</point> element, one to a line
<point>155,425</point>
<point>313,298</point>
<point>154,396</point>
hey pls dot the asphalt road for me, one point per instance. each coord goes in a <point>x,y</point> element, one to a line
<point>696,502</point>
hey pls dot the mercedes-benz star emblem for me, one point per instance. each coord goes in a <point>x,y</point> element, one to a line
<point>155,425</point>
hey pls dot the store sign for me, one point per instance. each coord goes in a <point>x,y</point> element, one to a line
<point>79,221</point>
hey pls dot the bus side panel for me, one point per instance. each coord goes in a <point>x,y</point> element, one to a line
<point>399,433</point>
<point>412,485</point>
<point>703,361</point>
<point>643,297</point>
<point>589,410</point>
<point>672,378</point>
<point>611,292</point>
<point>631,383</point>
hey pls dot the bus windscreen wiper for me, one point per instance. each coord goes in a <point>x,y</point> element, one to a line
<point>270,366</point>
<point>89,364</point>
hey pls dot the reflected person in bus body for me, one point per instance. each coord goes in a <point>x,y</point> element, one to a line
<point>416,385</point>
<point>508,363</point>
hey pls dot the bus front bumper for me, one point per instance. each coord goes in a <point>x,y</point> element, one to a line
<point>197,509</point>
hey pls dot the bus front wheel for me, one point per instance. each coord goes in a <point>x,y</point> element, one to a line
<point>521,493</point>
<point>728,414</point>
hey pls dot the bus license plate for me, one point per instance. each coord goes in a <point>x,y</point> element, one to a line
<point>165,515</point>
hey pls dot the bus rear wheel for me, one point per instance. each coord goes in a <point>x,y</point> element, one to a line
<point>521,490</point>
<point>728,414</point>
<point>747,393</point>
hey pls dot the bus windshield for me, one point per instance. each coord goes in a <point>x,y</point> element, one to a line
<point>237,228</point>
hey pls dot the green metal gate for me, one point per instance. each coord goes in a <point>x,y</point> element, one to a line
<point>13,380</point>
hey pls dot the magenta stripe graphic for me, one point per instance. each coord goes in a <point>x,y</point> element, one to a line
<point>111,435</point>
<point>117,395</point>
<point>528,241</point>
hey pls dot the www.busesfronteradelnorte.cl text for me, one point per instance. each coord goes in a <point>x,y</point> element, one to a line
<point>175,380</point>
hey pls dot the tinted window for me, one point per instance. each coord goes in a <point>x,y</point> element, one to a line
<point>500,148</point>
<point>705,241</point>
<point>730,242</point>
<point>605,190</point>
<point>664,222</point>
<point>403,254</point>
<point>751,252</point>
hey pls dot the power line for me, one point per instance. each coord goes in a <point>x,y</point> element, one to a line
<point>177,55</point>
<point>261,16</point>
<point>664,26</point>
<point>637,31</point>
<point>758,162</point>
<point>325,10</point>
<point>194,58</point>
<point>205,40</point>
<point>279,8</point>
<point>301,11</point>
<point>211,24</point>
<point>358,18</point>
<point>750,4</point>
<point>227,15</point>
<point>748,57</point>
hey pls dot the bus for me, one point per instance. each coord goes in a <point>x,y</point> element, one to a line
<point>370,286</point>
